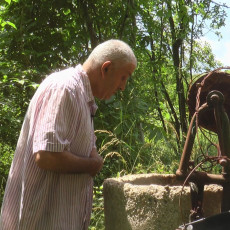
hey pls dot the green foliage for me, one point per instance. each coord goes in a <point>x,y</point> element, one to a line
<point>97,218</point>
<point>140,130</point>
<point>6,156</point>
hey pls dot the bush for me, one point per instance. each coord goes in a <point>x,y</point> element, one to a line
<point>6,156</point>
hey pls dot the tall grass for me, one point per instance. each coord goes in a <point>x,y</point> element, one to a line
<point>155,155</point>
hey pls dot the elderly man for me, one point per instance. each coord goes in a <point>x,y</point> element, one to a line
<point>51,178</point>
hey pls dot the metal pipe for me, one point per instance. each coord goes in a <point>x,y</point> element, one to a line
<point>184,162</point>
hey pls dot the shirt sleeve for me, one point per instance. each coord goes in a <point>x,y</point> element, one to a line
<point>55,119</point>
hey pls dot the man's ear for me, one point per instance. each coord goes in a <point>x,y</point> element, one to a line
<point>105,67</point>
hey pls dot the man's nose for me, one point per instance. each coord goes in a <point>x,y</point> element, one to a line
<point>122,86</point>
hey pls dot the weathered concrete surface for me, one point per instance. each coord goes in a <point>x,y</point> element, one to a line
<point>151,202</point>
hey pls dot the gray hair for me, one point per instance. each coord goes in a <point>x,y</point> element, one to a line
<point>112,50</point>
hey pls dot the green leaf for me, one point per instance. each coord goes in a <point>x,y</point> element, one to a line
<point>8,1</point>
<point>11,24</point>
<point>8,23</point>
<point>34,85</point>
<point>21,82</point>
<point>66,12</point>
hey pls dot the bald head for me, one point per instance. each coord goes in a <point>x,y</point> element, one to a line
<point>112,50</point>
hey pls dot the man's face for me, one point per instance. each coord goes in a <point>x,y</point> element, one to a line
<point>115,78</point>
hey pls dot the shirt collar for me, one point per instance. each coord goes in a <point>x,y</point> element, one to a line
<point>86,83</point>
<point>88,90</point>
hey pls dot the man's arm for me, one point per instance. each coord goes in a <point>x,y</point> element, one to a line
<point>66,162</point>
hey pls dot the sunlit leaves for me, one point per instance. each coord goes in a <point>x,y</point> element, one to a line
<point>3,24</point>
<point>39,37</point>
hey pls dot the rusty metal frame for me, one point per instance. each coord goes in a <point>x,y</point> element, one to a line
<point>213,103</point>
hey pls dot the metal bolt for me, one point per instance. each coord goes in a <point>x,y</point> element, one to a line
<point>215,98</point>
<point>223,162</point>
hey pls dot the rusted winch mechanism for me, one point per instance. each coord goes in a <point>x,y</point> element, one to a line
<point>209,106</point>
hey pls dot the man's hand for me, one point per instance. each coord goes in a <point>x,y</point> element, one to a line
<point>97,162</point>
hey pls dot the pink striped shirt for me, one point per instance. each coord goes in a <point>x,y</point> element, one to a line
<point>58,119</point>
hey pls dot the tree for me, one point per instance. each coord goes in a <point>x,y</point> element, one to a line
<point>140,127</point>
<point>168,30</point>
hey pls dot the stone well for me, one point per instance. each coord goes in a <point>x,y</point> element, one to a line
<point>151,201</point>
